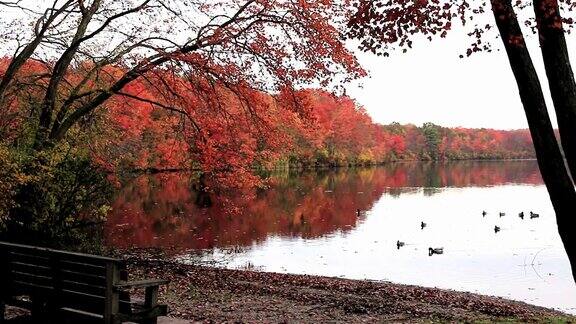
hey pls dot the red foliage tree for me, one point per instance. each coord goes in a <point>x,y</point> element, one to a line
<point>92,50</point>
<point>204,66</point>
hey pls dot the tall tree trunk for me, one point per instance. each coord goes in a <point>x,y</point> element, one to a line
<point>560,75</point>
<point>59,73</point>
<point>550,160</point>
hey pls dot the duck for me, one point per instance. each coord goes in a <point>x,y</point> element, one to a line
<point>534,215</point>
<point>435,251</point>
<point>399,244</point>
<point>521,215</point>
<point>422,225</point>
<point>502,214</point>
<point>484,213</point>
<point>496,229</point>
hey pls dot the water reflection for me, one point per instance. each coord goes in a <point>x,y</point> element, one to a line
<point>525,260</point>
<point>162,210</point>
<point>376,223</point>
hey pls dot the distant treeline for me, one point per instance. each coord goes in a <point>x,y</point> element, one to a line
<point>324,130</point>
<point>346,135</point>
<point>237,128</point>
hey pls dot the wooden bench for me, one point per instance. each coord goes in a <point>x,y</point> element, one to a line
<point>58,286</point>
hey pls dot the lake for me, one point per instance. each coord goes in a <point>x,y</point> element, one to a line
<point>346,223</point>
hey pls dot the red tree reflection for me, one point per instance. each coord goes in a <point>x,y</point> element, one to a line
<point>162,210</point>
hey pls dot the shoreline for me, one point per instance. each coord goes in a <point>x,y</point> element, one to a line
<point>209,294</point>
<point>206,294</point>
<point>322,167</point>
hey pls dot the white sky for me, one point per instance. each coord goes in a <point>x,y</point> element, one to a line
<point>431,83</point>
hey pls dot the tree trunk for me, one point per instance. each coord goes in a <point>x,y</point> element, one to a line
<point>550,160</point>
<point>560,75</point>
<point>58,74</point>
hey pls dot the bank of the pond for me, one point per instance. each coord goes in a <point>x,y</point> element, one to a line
<point>209,294</point>
<point>329,166</point>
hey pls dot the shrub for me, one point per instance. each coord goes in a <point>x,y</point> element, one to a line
<point>59,199</point>
<point>10,178</point>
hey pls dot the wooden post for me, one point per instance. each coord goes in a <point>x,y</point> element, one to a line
<point>124,295</point>
<point>150,301</point>
<point>2,309</point>
<point>4,282</point>
<point>54,304</point>
<point>38,309</point>
<point>111,304</point>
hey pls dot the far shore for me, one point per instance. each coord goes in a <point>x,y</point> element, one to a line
<point>312,167</point>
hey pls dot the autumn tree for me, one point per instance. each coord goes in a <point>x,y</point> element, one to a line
<point>89,51</point>
<point>71,60</point>
<point>384,25</point>
<point>67,61</point>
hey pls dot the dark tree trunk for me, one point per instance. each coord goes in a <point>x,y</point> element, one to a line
<point>550,160</point>
<point>58,74</point>
<point>560,75</point>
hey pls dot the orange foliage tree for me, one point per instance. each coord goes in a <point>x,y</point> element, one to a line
<point>195,66</point>
<point>90,51</point>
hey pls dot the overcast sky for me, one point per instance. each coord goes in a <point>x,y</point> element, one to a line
<point>431,83</point>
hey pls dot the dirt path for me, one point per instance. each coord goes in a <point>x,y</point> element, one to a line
<point>218,295</point>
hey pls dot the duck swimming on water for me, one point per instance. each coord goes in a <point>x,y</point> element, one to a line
<point>399,244</point>
<point>435,251</point>
<point>496,229</point>
<point>534,215</point>
<point>521,215</point>
<point>422,225</point>
<point>502,214</point>
<point>484,213</point>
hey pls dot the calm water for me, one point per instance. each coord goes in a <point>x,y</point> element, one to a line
<point>308,223</point>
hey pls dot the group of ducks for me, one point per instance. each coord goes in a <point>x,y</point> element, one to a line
<point>521,215</point>
<point>431,250</point>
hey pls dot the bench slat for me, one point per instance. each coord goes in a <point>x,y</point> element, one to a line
<point>22,287</point>
<point>28,258</point>
<point>84,288</point>
<point>83,268</point>
<point>33,250</point>
<point>30,278</point>
<point>68,298</point>
<point>86,278</point>
<point>29,268</point>
<point>82,301</point>
<point>88,302</point>
<point>74,271</point>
